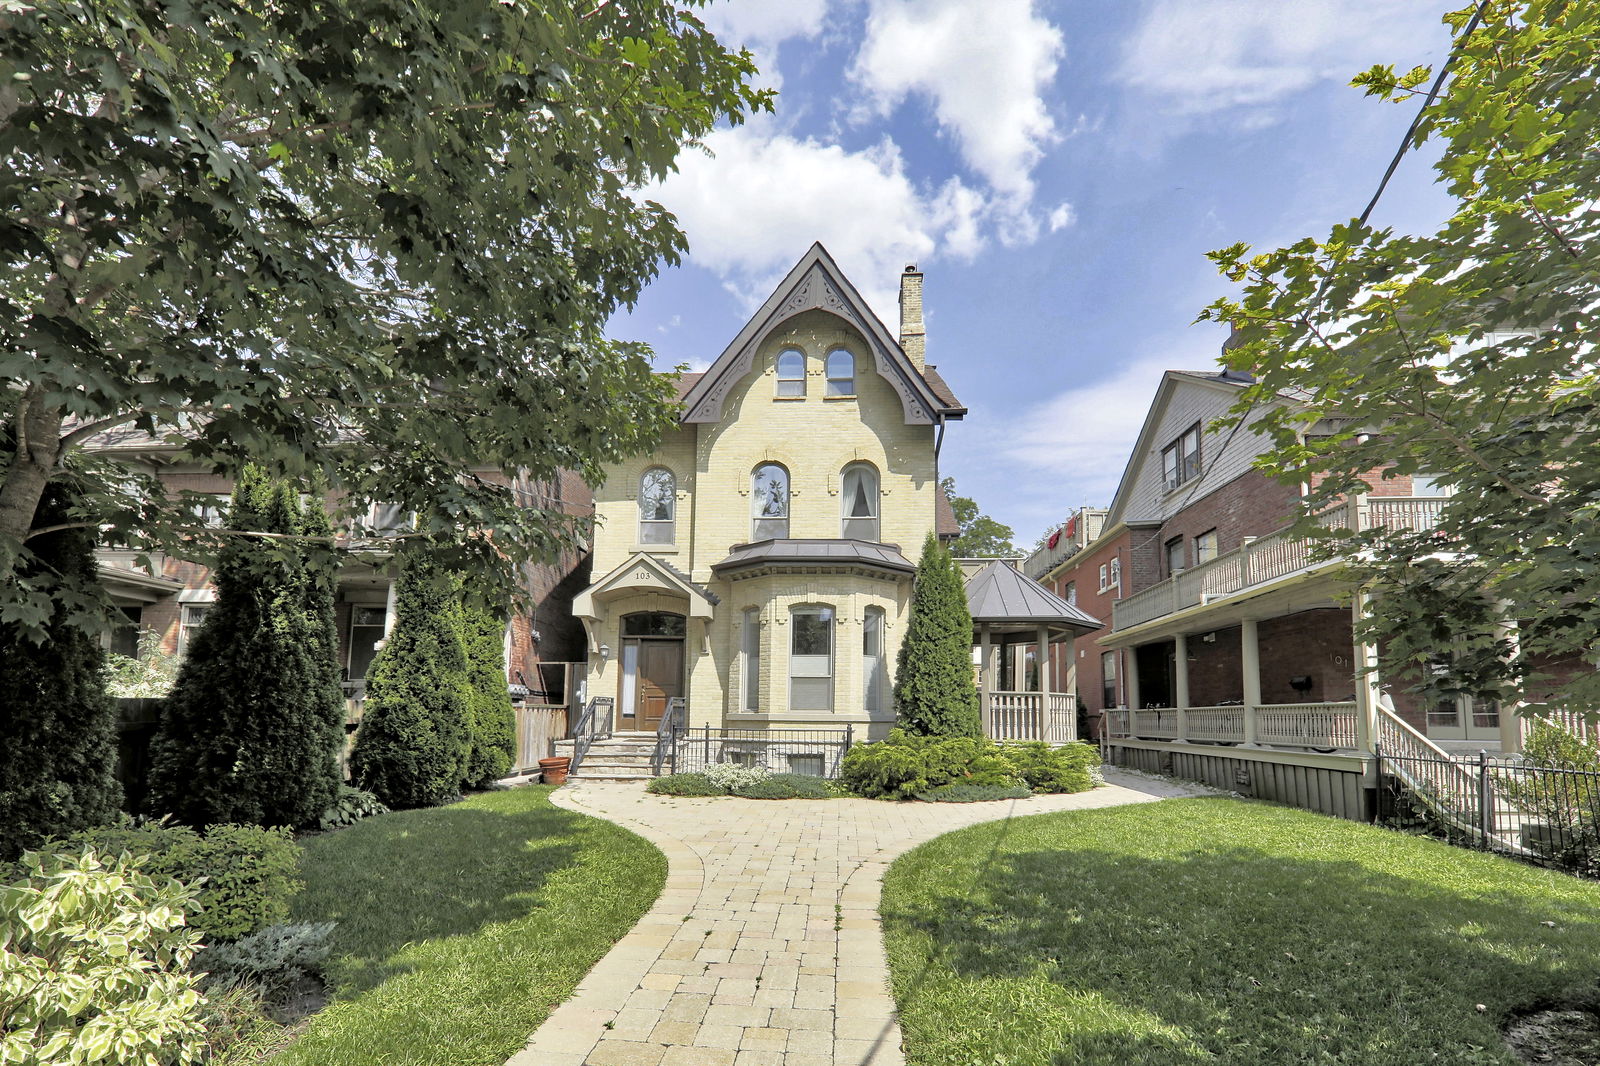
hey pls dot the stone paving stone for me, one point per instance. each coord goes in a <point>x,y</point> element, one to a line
<point>766,947</point>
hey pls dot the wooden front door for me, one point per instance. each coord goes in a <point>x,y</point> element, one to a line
<point>657,676</point>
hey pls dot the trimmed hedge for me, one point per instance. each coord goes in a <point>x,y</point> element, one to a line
<point>974,793</point>
<point>243,875</point>
<point>685,785</point>
<point>784,787</point>
<point>904,766</point>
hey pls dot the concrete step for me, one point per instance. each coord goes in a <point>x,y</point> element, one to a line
<point>610,775</point>
<point>599,766</point>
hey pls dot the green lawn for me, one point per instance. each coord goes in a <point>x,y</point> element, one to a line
<point>1221,931</point>
<point>460,927</point>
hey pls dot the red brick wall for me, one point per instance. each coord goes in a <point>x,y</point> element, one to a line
<point>1214,669</point>
<point>1315,644</point>
<point>1084,653</point>
<point>1251,505</point>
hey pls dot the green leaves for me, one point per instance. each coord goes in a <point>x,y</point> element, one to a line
<point>377,241</point>
<point>1464,354</point>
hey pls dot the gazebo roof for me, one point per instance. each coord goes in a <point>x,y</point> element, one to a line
<point>1001,594</point>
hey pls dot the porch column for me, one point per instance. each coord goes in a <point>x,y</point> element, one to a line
<point>985,675</point>
<point>1368,686</point>
<point>1180,682</point>
<point>1512,725</point>
<point>1047,724</point>
<point>1250,665</point>
<point>1130,660</point>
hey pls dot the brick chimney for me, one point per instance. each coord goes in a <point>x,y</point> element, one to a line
<point>913,338</point>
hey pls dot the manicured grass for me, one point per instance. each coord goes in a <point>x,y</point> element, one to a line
<point>1221,931</point>
<point>461,927</point>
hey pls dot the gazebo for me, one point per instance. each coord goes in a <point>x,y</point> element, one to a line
<point>1010,609</point>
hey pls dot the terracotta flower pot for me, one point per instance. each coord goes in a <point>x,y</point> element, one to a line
<point>554,771</point>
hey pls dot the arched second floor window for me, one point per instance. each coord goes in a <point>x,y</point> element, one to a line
<point>769,502</point>
<point>841,373</point>
<point>658,506</point>
<point>791,373</point>
<point>860,502</point>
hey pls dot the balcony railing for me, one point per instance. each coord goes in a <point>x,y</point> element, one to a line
<point>1317,726</point>
<point>1027,716</point>
<point>1268,558</point>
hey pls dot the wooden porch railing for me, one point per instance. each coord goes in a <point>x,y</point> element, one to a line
<point>1317,726</point>
<point>1268,558</point>
<point>1026,716</point>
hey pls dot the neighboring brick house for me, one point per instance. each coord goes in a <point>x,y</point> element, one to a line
<point>759,562</point>
<point>173,601</point>
<point>1214,608</point>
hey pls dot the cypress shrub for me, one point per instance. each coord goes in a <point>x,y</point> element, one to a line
<point>58,729</point>
<point>933,689</point>
<point>491,721</point>
<point>413,744</point>
<point>251,730</point>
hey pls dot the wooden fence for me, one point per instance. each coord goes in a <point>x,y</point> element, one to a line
<point>539,726</point>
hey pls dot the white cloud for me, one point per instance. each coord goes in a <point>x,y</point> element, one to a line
<point>984,66</point>
<point>1062,216</point>
<point>1212,55</point>
<point>754,22</point>
<point>754,207</point>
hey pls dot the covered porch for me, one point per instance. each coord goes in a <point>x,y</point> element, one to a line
<point>1021,698</point>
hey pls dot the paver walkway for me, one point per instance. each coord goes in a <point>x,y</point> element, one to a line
<point>764,949</point>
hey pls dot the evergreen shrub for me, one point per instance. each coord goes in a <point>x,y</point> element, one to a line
<point>253,725</point>
<point>272,962</point>
<point>1068,768</point>
<point>58,726</point>
<point>690,784</point>
<point>786,786</point>
<point>974,793</point>
<point>934,691</point>
<point>491,721</point>
<point>413,744</point>
<point>94,957</point>
<point>907,765</point>
<point>243,876</point>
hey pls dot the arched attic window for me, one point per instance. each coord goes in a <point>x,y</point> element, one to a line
<point>769,502</point>
<point>658,506</point>
<point>791,374</point>
<point>841,373</point>
<point>860,502</point>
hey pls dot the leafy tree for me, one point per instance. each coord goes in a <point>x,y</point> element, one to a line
<point>58,730</point>
<point>981,536</point>
<point>1466,354</point>
<point>492,722</point>
<point>251,730</point>
<point>375,239</point>
<point>933,689</point>
<point>413,745</point>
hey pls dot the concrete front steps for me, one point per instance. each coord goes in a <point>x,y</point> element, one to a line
<point>614,759</point>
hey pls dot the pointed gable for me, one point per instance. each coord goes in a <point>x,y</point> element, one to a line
<point>815,283</point>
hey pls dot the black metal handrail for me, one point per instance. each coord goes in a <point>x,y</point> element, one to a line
<point>672,725</point>
<point>592,726</point>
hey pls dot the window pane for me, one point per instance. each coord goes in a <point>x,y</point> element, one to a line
<point>811,694</point>
<point>810,765</point>
<point>390,518</point>
<point>813,632</point>
<point>841,374</point>
<point>1205,547</point>
<point>791,374</point>
<point>872,632</point>
<point>861,529</point>
<point>367,616</point>
<point>656,533</point>
<point>860,492</point>
<point>657,495</point>
<point>653,624</point>
<point>752,660</point>
<point>771,489</point>
<point>771,529</point>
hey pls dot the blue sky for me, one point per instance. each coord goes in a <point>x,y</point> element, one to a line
<point>1058,171</point>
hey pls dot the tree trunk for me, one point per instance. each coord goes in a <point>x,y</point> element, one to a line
<point>36,430</point>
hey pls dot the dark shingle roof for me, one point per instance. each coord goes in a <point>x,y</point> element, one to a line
<point>945,526</point>
<point>1001,593</point>
<point>941,389</point>
<point>815,552</point>
<point>685,382</point>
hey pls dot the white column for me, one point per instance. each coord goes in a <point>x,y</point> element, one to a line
<point>1130,672</point>
<point>1368,685</point>
<point>1250,666</point>
<point>1047,730</point>
<point>1512,724</point>
<point>985,675</point>
<point>389,601</point>
<point>1180,682</point>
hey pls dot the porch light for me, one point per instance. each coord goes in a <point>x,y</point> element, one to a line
<point>605,652</point>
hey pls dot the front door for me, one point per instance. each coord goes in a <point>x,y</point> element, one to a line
<point>1464,718</point>
<point>652,674</point>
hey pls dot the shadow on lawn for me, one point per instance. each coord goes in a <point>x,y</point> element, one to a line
<point>424,875</point>
<point>1252,956</point>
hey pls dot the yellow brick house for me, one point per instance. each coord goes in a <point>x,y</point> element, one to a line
<point>759,562</point>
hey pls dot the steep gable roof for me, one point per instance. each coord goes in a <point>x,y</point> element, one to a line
<point>816,283</point>
<point>1001,593</point>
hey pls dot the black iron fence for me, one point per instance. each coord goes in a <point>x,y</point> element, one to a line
<point>796,751</point>
<point>1540,814</point>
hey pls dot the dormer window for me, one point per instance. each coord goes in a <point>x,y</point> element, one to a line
<point>841,373</point>
<point>791,374</point>
<point>769,502</point>
<point>1180,460</point>
<point>658,504</point>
